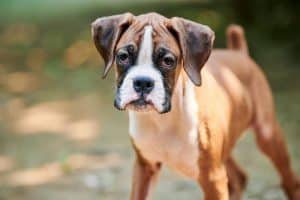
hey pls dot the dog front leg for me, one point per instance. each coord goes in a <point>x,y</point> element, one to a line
<point>213,176</point>
<point>214,182</point>
<point>144,177</point>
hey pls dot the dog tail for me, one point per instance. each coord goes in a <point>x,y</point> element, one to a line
<point>236,38</point>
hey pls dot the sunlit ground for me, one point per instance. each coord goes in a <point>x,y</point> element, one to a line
<point>61,138</point>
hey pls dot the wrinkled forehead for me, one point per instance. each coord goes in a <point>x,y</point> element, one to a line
<point>161,36</point>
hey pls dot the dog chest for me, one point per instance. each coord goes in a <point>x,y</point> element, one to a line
<point>174,145</point>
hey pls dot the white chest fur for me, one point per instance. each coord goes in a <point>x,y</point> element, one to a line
<point>171,138</point>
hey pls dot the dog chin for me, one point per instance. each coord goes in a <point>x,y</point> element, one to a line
<point>140,105</point>
<point>140,108</point>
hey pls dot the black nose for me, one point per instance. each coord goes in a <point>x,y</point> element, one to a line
<point>143,85</point>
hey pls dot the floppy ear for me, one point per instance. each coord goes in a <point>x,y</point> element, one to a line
<point>106,32</point>
<point>195,41</point>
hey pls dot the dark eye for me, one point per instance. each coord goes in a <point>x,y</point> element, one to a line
<point>123,57</point>
<point>168,61</point>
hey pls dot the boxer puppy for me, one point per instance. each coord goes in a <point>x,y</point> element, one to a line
<point>187,104</point>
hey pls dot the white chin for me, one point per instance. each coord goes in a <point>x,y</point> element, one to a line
<point>140,108</point>
<point>139,105</point>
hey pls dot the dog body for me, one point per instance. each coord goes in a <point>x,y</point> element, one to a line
<point>223,100</point>
<point>159,65</point>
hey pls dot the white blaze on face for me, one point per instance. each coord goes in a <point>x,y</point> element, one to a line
<point>144,68</point>
<point>146,48</point>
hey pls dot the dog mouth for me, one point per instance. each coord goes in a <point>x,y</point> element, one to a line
<point>140,105</point>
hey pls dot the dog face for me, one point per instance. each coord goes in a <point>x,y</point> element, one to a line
<point>149,52</point>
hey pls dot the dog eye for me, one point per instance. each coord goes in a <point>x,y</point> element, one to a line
<point>168,61</point>
<point>123,57</point>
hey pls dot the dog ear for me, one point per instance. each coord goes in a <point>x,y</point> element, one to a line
<point>106,32</point>
<point>195,41</point>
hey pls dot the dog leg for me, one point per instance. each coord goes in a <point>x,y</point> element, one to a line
<point>269,135</point>
<point>144,177</point>
<point>270,141</point>
<point>237,179</point>
<point>213,181</point>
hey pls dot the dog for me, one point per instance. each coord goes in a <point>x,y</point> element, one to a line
<point>188,104</point>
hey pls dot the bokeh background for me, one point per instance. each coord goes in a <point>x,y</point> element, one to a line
<point>61,138</point>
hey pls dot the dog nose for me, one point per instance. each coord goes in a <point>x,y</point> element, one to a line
<point>143,85</point>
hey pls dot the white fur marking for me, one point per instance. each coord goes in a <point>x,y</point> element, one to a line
<point>133,124</point>
<point>192,109</point>
<point>146,49</point>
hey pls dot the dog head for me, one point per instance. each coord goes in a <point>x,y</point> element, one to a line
<point>149,52</point>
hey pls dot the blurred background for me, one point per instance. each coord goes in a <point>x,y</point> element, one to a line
<point>61,138</point>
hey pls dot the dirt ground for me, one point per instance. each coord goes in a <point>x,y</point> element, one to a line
<point>81,150</point>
